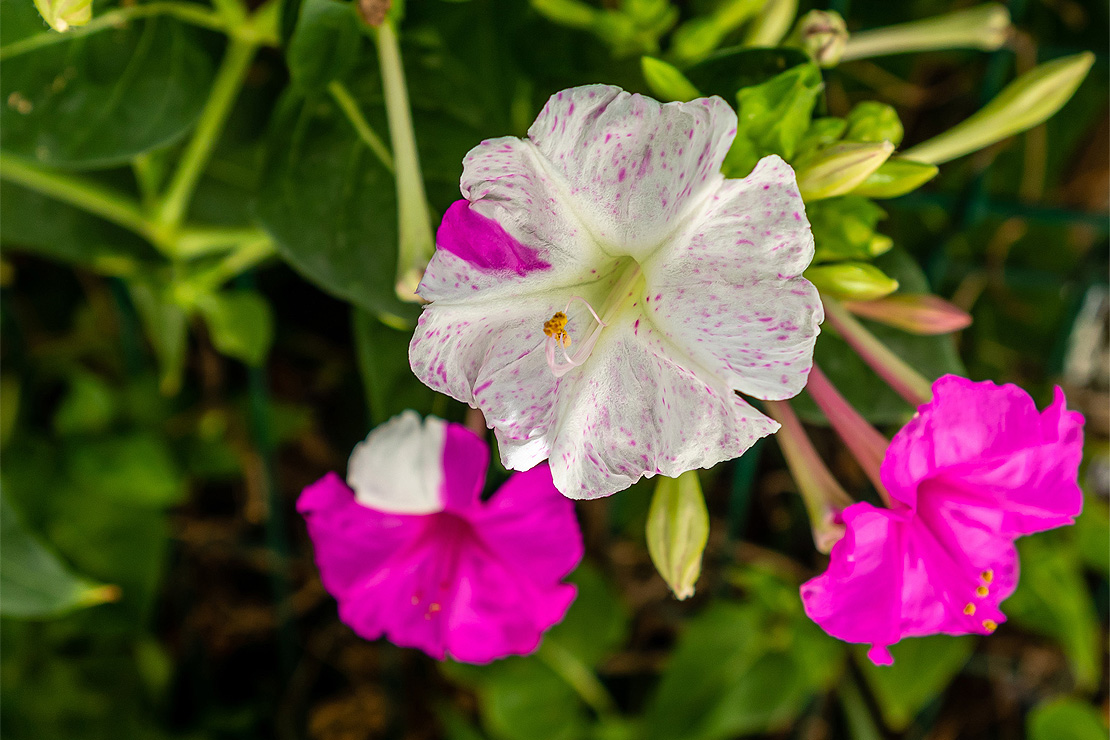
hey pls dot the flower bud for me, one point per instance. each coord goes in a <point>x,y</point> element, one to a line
<point>772,23</point>
<point>917,313</point>
<point>856,281</point>
<point>874,121</point>
<point>839,169</point>
<point>677,530</point>
<point>896,176</point>
<point>983,27</point>
<point>666,82</point>
<point>822,34</point>
<point>64,14</point>
<point>1026,102</point>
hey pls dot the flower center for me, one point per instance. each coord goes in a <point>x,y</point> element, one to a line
<point>627,284</point>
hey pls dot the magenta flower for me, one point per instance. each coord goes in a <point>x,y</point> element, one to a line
<point>413,554</point>
<point>976,468</point>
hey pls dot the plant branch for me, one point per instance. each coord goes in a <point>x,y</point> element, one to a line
<point>349,106</point>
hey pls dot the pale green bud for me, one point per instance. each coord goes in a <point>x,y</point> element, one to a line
<point>772,23</point>
<point>879,244</point>
<point>1028,101</point>
<point>677,530</point>
<point>983,27</point>
<point>64,14</point>
<point>917,313</point>
<point>896,176</point>
<point>858,281</point>
<point>822,34</point>
<point>874,121</point>
<point>839,169</point>
<point>666,82</point>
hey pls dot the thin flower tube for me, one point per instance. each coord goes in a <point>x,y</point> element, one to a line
<point>602,292</point>
<point>977,467</point>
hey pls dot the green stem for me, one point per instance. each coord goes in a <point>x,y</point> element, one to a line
<point>191,13</point>
<point>860,723</point>
<point>906,381</point>
<point>578,676</point>
<point>416,242</point>
<point>87,195</point>
<point>349,106</point>
<point>196,241</point>
<point>225,88</point>
<point>236,263</point>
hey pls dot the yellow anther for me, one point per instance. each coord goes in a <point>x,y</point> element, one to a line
<point>969,609</point>
<point>433,607</point>
<point>556,327</point>
<point>982,591</point>
<point>987,576</point>
<point>990,625</point>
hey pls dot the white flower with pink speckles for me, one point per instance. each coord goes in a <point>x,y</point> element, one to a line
<point>603,292</point>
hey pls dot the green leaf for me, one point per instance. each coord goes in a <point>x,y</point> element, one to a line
<point>325,43</point>
<point>597,622</point>
<point>34,582</point>
<point>166,327</point>
<point>1065,719</point>
<point>330,206</point>
<point>666,82</point>
<point>240,323</point>
<point>1052,599</point>
<point>10,392</point>
<point>728,70</point>
<point>773,117</point>
<point>137,468</point>
<point>525,700</point>
<point>383,361</point>
<point>44,226</point>
<point>1092,534</point>
<point>923,668</point>
<point>932,356</point>
<point>844,228</point>
<point>89,406</point>
<point>100,99</point>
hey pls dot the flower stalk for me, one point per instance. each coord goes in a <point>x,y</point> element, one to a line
<point>414,224</point>
<point>862,439</point>
<point>905,381</point>
<point>823,496</point>
<point>983,27</point>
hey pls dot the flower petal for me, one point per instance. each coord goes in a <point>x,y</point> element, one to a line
<point>730,291</point>
<point>639,407</point>
<point>350,539</point>
<point>529,524</point>
<point>399,466</point>
<point>631,164</point>
<point>464,461</point>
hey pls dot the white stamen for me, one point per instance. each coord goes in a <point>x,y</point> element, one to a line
<point>583,349</point>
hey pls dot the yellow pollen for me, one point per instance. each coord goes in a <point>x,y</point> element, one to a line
<point>969,609</point>
<point>556,327</point>
<point>990,625</point>
<point>434,607</point>
<point>982,591</point>
<point>987,576</point>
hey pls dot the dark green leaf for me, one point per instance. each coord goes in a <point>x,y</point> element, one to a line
<point>33,581</point>
<point>166,327</point>
<point>325,43</point>
<point>383,360</point>
<point>524,700</point>
<point>137,468</point>
<point>89,405</point>
<point>98,100</point>
<point>330,206</point>
<point>240,323</point>
<point>1066,719</point>
<point>923,667</point>
<point>597,623</point>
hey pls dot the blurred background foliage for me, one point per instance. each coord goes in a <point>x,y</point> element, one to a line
<point>198,319</point>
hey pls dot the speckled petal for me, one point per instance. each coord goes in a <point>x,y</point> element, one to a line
<point>633,166</point>
<point>729,291</point>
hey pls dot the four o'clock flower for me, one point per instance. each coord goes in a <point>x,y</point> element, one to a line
<point>602,292</point>
<point>410,551</point>
<point>977,467</point>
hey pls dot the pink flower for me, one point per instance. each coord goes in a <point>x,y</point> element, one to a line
<point>413,554</point>
<point>976,468</point>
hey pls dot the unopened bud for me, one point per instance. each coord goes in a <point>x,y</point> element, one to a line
<point>874,121</point>
<point>896,176</point>
<point>1026,102</point>
<point>822,34</point>
<point>856,281</point>
<point>677,530</point>
<point>666,82</point>
<point>839,169</point>
<point>983,27</point>
<point>879,244</point>
<point>772,23</point>
<point>62,15</point>
<point>917,313</point>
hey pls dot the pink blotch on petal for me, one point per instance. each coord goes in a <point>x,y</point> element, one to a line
<point>483,243</point>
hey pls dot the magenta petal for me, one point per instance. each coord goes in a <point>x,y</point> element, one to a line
<point>465,459</point>
<point>530,524</point>
<point>350,539</point>
<point>484,243</point>
<point>858,599</point>
<point>879,655</point>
